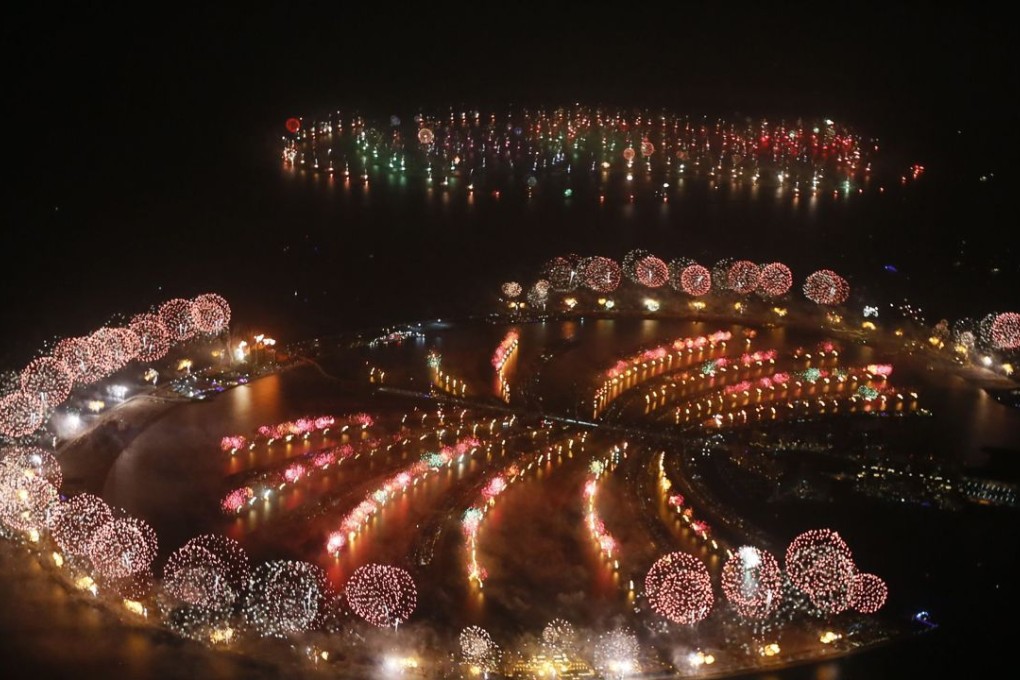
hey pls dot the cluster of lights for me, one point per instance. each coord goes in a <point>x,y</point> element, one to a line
<point>616,654</point>
<point>395,337</point>
<point>478,649</point>
<point>1005,331</point>
<point>695,280</point>
<point>288,430</point>
<point>600,274</point>
<point>74,522</point>
<point>302,427</point>
<point>27,498</point>
<point>645,269</point>
<point>770,281</point>
<point>765,389</point>
<point>511,290</point>
<point>660,148</point>
<point>122,547</point>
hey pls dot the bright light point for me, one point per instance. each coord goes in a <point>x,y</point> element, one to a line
<point>135,607</point>
<point>221,635</point>
<point>651,305</point>
<point>986,360</point>
<point>749,557</point>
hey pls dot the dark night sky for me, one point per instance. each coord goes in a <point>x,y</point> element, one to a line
<point>892,68</point>
<point>93,97</point>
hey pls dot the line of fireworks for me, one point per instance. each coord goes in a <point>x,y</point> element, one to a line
<point>288,430</point>
<point>869,382</point>
<point>47,381</point>
<point>645,365</point>
<point>398,483</point>
<point>273,482</point>
<point>506,349</point>
<point>596,527</point>
<point>529,146</point>
<point>743,278</point>
<point>443,380</point>
<point>866,399</point>
<point>685,511</point>
<point>473,517</point>
<point>712,374</point>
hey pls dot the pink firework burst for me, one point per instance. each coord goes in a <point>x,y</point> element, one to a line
<point>679,588</point>
<point>178,316</point>
<point>47,379</point>
<point>20,414</point>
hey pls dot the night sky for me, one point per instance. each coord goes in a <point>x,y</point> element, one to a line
<point>120,132</point>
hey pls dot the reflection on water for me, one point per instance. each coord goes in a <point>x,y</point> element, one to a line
<point>534,544</point>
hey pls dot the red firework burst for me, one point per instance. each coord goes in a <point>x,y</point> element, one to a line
<point>601,274</point>
<point>826,287</point>
<point>776,279</point>
<point>650,271</point>
<point>696,280</point>
<point>743,277</point>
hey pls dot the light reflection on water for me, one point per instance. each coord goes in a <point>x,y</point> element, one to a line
<point>533,543</point>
